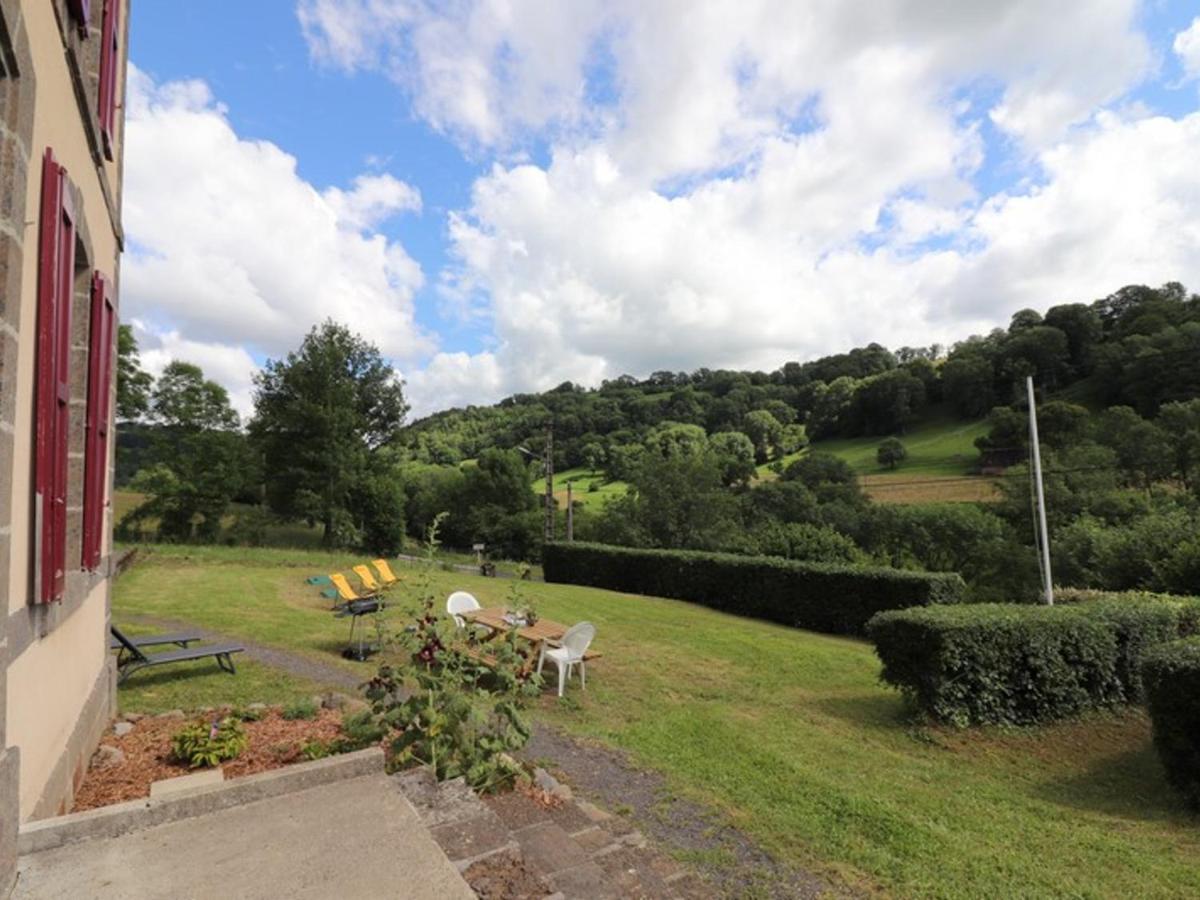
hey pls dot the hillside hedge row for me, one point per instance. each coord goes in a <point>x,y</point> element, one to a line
<point>1021,664</point>
<point>1171,676</point>
<point>827,597</point>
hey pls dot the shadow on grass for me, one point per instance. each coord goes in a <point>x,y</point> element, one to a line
<point>178,672</point>
<point>880,709</point>
<point>1128,785</point>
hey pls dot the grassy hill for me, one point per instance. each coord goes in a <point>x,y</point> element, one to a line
<point>941,456</point>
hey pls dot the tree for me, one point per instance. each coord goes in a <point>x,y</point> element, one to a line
<point>1143,449</point>
<point>673,440</point>
<point>198,460</point>
<point>735,456</point>
<point>133,383</point>
<point>887,403</point>
<point>184,399</point>
<point>1181,422</point>
<point>320,416</point>
<point>1083,328</point>
<point>764,431</point>
<point>967,384</point>
<point>891,453</point>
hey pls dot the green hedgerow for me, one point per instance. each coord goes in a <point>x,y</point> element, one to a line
<point>1171,676</point>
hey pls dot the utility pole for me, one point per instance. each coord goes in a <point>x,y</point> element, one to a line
<point>548,461</point>
<point>570,515</point>
<point>1035,452</point>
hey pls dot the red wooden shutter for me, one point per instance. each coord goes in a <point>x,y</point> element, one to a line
<point>108,75</point>
<point>95,471</point>
<point>56,272</point>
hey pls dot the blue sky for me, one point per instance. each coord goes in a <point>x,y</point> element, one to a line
<point>506,196</point>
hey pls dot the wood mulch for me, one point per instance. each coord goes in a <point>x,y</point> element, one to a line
<point>273,742</point>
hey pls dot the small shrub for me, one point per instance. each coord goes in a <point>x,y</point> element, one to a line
<point>315,749</point>
<point>206,744</point>
<point>1171,675</point>
<point>300,709</point>
<point>359,731</point>
<point>1021,664</point>
<point>831,597</point>
<point>244,714</point>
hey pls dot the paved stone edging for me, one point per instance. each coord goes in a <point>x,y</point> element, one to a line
<point>136,815</point>
<point>576,850</point>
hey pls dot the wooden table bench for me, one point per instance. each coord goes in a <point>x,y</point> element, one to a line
<point>543,630</point>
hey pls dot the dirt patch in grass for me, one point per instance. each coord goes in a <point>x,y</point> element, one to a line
<point>273,742</point>
<point>690,832</point>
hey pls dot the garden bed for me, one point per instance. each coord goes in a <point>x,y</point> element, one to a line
<point>145,752</point>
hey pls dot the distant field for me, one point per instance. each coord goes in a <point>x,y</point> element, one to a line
<point>941,453</point>
<point>587,487</point>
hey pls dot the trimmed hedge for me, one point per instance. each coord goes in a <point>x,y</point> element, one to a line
<point>1171,675</point>
<point>1019,664</point>
<point>829,597</point>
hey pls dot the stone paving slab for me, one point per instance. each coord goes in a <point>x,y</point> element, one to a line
<point>357,838</point>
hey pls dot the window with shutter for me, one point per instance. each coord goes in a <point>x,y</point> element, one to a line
<point>56,271</point>
<point>108,75</point>
<point>80,10</point>
<point>95,471</point>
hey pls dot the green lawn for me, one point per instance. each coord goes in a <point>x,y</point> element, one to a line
<point>189,686</point>
<point>791,736</point>
<point>939,446</point>
<point>587,487</point>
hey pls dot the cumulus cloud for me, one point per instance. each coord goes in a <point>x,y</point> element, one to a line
<point>728,183</point>
<point>230,365</point>
<point>1187,48</point>
<point>228,244</point>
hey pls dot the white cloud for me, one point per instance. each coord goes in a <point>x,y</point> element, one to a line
<point>228,245</point>
<point>1187,48</point>
<point>228,365</point>
<point>728,184</point>
<point>373,200</point>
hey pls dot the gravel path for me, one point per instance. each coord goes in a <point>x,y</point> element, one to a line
<point>293,663</point>
<point>732,862</point>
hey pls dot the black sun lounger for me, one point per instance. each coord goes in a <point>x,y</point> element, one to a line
<point>131,658</point>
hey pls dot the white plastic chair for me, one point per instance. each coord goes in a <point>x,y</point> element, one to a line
<point>461,602</point>
<point>569,653</point>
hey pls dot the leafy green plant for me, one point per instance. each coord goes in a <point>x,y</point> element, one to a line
<point>359,730</point>
<point>245,714</point>
<point>316,749</point>
<point>451,703</point>
<point>300,709</point>
<point>206,744</point>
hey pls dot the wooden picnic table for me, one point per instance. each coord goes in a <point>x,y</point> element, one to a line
<point>540,631</point>
<point>493,617</point>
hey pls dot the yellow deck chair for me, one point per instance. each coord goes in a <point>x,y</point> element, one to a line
<point>344,590</point>
<point>386,575</point>
<point>367,577</point>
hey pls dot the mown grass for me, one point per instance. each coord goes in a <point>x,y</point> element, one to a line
<point>587,487</point>
<point>792,737</point>
<point>191,685</point>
